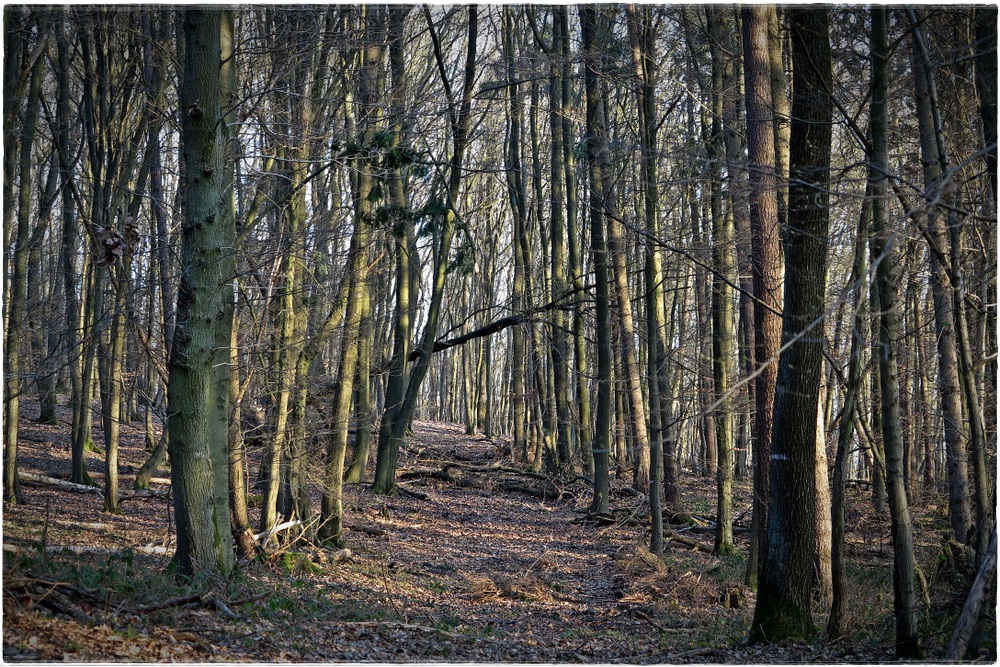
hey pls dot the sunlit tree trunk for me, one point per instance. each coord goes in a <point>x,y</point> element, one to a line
<point>784,595</point>
<point>197,412</point>
<point>765,260</point>
<point>641,37</point>
<point>724,274</point>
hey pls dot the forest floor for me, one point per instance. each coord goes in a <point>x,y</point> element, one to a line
<point>480,563</point>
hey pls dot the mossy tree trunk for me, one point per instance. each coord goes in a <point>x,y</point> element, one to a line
<point>198,404</point>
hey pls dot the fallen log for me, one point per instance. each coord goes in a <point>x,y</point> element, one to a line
<point>62,484</point>
<point>686,541</point>
<point>269,533</point>
<point>123,494</point>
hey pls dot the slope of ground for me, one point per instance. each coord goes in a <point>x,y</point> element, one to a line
<point>481,561</point>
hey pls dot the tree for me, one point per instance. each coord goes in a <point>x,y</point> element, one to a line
<point>331,517</point>
<point>597,160</point>
<point>15,303</point>
<point>724,273</point>
<point>198,401</point>
<point>786,576</point>
<point>641,37</point>
<point>883,252</point>
<point>765,259</point>
<point>960,512</point>
<point>459,113</point>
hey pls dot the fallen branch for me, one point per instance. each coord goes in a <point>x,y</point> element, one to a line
<point>214,601</point>
<point>175,602</point>
<point>79,549</point>
<point>662,628</point>
<point>123,494</point>
<point>252,598</point>
<point>62,484</point>
<point>367,530</point>
<point>269,533</point>
<point>686,541</point>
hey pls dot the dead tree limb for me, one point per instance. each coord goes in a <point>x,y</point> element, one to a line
<point>973,604</point>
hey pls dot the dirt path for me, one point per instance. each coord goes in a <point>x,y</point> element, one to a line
<point>472,571</point>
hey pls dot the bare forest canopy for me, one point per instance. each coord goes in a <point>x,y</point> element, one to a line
<point>657,250</point>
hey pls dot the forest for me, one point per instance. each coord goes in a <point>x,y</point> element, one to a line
<point>622,333</point>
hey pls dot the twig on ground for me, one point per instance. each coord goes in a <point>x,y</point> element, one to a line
<point>252,598</point>
<point>175,602</point>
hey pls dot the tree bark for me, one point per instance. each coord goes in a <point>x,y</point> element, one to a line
<point>15,302</point>
<point>765,260</point>
<point>949,388</point>
<point>597,159</point>
<point>783,607</point>
<point>883,252</point>
<point>204,313</point>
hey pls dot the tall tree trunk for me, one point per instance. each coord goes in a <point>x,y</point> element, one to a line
<point>883,252</point>
<point>197,412</point>
<point>949,388</point>
<point>723,275</point>
<point>845,436</point>
<point>765,260</point>
<point>15,302</point>
<point>597,159</point>
<point>574,254</point>
<point>783,607</point>
<point>558,330</point>
<point>641,36</point>
<point>239,515</point>
<point>403,245</point>
<point>459,114</point>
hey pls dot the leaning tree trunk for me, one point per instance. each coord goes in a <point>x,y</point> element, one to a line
<point>784,597</point>
<point>459,115</point>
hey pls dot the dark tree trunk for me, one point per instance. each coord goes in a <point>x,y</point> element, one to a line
<point>786,579</point>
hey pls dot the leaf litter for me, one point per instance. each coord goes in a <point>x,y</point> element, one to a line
<point>476,561</point>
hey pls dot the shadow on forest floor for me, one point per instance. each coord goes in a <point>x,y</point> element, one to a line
<point>481,562</point>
